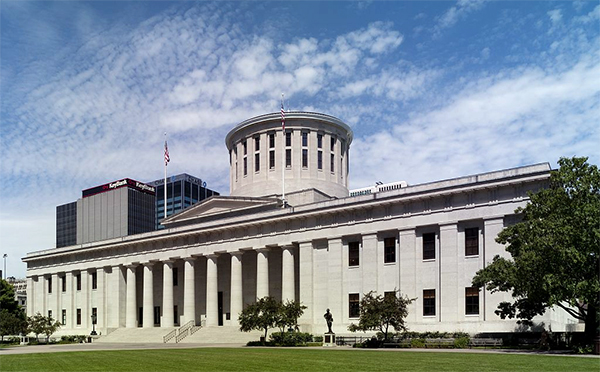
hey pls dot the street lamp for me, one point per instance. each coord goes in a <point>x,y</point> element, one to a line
<point>94,318</point>
<point>4,256</point>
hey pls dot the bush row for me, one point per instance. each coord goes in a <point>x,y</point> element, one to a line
<point>289,339</point>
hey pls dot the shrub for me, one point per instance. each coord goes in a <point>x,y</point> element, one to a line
<point>461,342</point>
<point>290,338</point>
<point>72,339</point>
<point>318,338</point>
<point>417,343</point>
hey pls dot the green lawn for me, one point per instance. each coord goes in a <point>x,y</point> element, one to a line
<point>258,359</point>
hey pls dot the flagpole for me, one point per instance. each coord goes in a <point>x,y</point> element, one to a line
<point>165,184</point>
<point>283,165</point>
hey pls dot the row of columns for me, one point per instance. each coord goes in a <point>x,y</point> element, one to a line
<point>189,294</point>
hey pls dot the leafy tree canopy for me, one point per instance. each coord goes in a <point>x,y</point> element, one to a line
<point>379,313</point>
<point>267,313</point>
<point>555,249</point>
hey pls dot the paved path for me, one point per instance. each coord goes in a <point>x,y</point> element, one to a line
<point>147,346</point>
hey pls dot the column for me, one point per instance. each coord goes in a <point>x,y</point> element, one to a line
<point>56,287</point>
<point>305,253</point>
<point>31,303</point>
<point>237,299</point>
<point>337,296</point>
<point>85,299</point>
<point>407,261</point>
<point>449,292</point>
<point>101,297</point>
<point>262,273</point>
<point>370,263</point>
<point>189,290</point>
<point>168,316</point>
<point>288,288</point>
<point>130,314</point>
<point>69,300</point>
<point>212,306</point>
<point>489,301</point>
<point>148,310</point>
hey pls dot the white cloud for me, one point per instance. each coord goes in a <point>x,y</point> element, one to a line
<point>555,16</point>
<point>456,13</point>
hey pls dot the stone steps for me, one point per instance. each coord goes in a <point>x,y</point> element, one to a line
<point>221,335</point>
<point>135,335</point>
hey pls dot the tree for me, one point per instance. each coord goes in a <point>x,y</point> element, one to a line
<point>555,250</point>
<point>50,326</point>
<point>267,313</point>
<point>379,313</point>
<point>36,324</point>
<point>13,320</point>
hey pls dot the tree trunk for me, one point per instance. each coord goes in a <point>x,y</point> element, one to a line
<point>591,324</point>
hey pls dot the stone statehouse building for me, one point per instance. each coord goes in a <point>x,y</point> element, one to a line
<point>322,245</point>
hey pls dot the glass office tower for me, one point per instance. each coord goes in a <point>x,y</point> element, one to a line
<point>183,191</point>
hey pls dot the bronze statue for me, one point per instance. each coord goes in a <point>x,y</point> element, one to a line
<point>329,319</point>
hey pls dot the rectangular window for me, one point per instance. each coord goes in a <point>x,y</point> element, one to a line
<point>50,314</point>
<point>389,247</point>
<point>78,280</point>
<point>95,280</point>
<point>429,246</point>
<point>472,241</point>
<point>320,160</point>
<point>78,316</point>
<point>332,143</point>
<point>156,315</point>
<point>304,139</point>
<point>304,158</point>
<point>288,158</point>
<point>332,164</point>
<point>175,277</point>
<point>175,315</point>
<point>256,162</point>
<point>320,141</point>
<point>50,284</point>
<point>64,317</point>
<point>256,143</point>
<point>353,254</point>
<point>94,315</point>
<point>471,301</point>
<point>288,139</point>
<point>63,282</point>
<point>245,146</point>
<point>428,302</point>
<point>353,305</point>
<point>271,140</point>
<point>271,159</point>
<point>245,166</point>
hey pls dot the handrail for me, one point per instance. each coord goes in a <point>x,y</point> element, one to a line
<point>169,336</point>
<point>194,329</point>
<point>184,330</point>
<point>182,335</point>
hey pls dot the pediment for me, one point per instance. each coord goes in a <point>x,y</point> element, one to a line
<point>220,206</point>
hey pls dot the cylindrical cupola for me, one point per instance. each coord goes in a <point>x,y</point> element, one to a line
<point>310,153</point>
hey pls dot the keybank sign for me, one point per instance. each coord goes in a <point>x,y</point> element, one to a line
<point>126,182</point>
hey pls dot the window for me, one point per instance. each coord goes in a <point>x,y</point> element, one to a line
<point>94,315</point>
<point>50,284</point>
<point>245,166</point>
<point>288,139</point>
<point>319,140</point>
<point>256,143</point>
<point>332,165</point>
<point>78,316</point>
<point>288,158</point>
<point>304,139</point>
<point>63,282</point>
<point>320,160</point>
<point>332,143</point>
<point>428,302</point>
<point>353,254</point>
<point>50,314</point>
<point>271,159</point>
<point>175,276</point>
<point>304,158</point>
<point>271,140</point>
<point>471,301</point>
<point>175,315</point>
<point>95,280</point>
<point>428,246</point>
<point>64,317</point>
<point>472,241</point>
<point>245,146</point>
<point>256,162</point>
<point>389,247</point>
<point>78,280</point>
<point>156,315</point>
<point>353,305</point>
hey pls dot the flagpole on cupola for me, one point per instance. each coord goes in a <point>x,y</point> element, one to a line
<point>283,154</point>
<point>167,159</point>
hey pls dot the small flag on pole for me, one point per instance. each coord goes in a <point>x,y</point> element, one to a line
<point>167,158</point>
<point>282,117</point>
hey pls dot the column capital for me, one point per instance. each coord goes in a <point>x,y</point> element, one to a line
<point>288,246</point>
<point>236,253</point>
<point>263,250</point>
<point>212,256</point>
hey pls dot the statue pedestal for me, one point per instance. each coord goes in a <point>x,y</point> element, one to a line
<point>329,339</point>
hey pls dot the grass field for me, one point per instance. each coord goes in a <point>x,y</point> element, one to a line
<point>255,359</point>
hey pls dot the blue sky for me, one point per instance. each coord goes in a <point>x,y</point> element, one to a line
<point>432,90</point>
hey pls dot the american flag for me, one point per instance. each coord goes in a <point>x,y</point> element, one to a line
<point>282,118</point>
<point>167,159</point>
